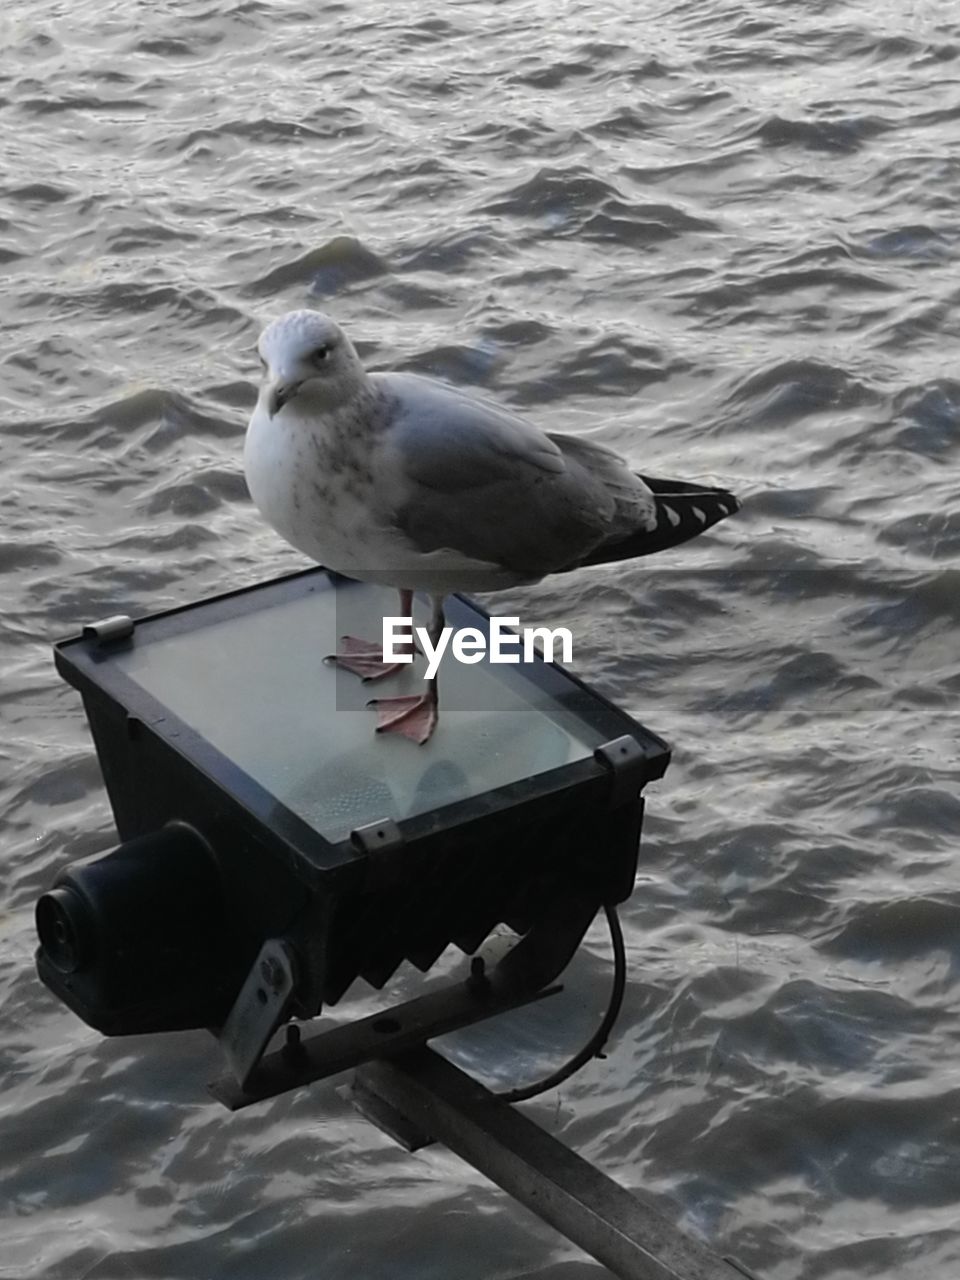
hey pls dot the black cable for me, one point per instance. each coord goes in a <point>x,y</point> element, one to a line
<point>594,1046</point>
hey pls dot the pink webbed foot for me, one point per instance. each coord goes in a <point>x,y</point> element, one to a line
<point>414,716</point>
<point>365,659</point>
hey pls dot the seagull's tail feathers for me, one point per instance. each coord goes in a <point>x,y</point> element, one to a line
<point>683,510</point>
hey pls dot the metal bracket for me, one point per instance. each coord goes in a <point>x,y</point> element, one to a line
<point>109,630</point>
<point>525,974</point>
<point>626,760</point>
<point>396,1030</point>
<point>258,1010</point>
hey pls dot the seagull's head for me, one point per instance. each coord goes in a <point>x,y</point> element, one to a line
<point>307,351</point>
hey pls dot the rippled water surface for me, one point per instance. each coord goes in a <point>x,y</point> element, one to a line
<point>722,236</point>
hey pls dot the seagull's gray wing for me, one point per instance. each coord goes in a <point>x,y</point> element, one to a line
<point>469,477</point>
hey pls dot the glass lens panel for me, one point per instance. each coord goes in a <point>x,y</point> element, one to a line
<point>258,689</point>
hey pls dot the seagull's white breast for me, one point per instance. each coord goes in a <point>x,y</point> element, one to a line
<point>301,492</point>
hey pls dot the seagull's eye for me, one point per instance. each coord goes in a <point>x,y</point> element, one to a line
<point>320,355</point>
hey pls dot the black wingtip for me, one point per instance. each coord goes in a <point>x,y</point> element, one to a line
<point>684,510</point>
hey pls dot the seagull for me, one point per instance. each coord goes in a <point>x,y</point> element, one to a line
<point>410,483</point>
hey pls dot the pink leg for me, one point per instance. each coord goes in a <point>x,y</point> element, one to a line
<point>365,659</point>
<point>416,715</point>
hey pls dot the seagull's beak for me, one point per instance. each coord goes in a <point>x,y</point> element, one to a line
<point>278,393</point>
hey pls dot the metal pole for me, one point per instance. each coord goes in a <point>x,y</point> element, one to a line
<point>633,1239</point>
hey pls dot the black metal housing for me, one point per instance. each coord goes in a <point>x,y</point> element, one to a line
<point>356,907</point>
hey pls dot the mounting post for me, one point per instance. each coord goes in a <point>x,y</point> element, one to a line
<point>435,1099</point>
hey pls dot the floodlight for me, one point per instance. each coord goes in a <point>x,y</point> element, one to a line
<point>255,805</point>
